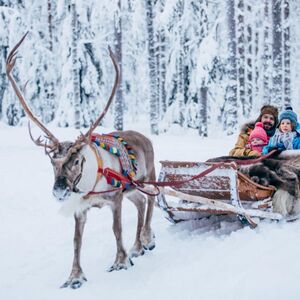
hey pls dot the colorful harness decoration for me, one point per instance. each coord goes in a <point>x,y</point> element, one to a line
<point>116,145</point>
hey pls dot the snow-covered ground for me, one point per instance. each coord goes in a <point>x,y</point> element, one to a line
<point>212,262</point>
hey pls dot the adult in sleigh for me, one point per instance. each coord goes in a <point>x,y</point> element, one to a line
<point>279,164</point>
<point>258,179</point>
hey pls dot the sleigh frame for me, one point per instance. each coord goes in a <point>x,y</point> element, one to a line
<point>223,192</point>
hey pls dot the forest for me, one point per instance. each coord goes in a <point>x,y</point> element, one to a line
<point>203,65</point>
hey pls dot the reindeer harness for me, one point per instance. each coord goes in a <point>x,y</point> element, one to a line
<point>116,146</point>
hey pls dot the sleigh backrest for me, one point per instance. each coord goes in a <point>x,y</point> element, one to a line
<point>223,183</point>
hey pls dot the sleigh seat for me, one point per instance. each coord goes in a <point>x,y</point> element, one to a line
<point>224,191</point>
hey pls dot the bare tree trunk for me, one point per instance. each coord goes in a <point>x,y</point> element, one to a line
<point>180,82</point>
<point>154,105</point>
<point>50,25</point>
<point>180,64</point>
<point>256,62</point>
<point>277,53</point>
<point>157,66</point>
<point>161,62</point>
<point>229,112</point>
<point>241,57</point>
<point>3,77</point>
<point>119,107</point>
<point>287,54</point>
<point>162,70</point>
<point>249,58</point>
<point>267,56</point>
<point>75,66</point>
<point>203,111</point>
<point>203,103</point>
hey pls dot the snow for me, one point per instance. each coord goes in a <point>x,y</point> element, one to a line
<point>212,261</point>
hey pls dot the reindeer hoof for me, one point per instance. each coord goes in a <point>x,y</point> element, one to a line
<point>74,283</point>
<point>121,266</point>
<point>148,240</point>
<point>136,252</point>
<point>149,247</point>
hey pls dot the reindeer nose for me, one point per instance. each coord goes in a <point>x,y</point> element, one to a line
<point>60,183</point>
<point>60,188</point>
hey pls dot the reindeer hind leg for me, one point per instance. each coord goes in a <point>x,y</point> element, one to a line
<point>147,235</point>
<point>139,201</point>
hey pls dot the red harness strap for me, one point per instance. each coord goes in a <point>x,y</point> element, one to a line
<point>110,175</point>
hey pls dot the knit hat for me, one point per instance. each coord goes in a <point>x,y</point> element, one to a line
<point>290,115</point>
<point>258,132</point>
<point>268,109</point>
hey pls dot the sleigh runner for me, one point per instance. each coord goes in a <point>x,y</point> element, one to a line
<point>223,191</point>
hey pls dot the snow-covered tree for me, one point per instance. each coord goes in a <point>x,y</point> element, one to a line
<point>198,64</point>
<point>230,108</point>
<point>119,102</point>
<point>154,105</point>
<point>277,52</point>
<point>286,53</point>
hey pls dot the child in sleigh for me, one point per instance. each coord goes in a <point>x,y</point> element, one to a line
<point>287,135</point>
<point>258,139</point>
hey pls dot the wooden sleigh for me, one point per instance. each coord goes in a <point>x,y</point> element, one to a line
<point>222,192</point>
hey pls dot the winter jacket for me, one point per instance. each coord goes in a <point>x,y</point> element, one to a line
<point>280,145</point>
<point>240,148</point>
<point>258,148</point>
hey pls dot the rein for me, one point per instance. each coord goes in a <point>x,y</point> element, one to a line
<point>255,160</point>
<point>126,182</point>
<point>157,184</point>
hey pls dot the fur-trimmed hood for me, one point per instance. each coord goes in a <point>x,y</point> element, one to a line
<point>247,126</point>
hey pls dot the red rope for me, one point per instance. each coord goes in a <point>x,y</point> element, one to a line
<point>253,161</point>
<point>139,184</point>
<point>180,182</point>
<point>207,171</point>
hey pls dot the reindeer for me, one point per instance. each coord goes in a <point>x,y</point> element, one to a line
<point>76,166</point>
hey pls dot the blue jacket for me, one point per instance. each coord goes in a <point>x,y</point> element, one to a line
<point>272,145</point>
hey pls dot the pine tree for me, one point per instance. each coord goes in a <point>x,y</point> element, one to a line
<point>249,56</point>
<point>180,64</point>
<point>287,54</point>
<point>75,67</point>
<point>240,31</point>
<point>50,23</point>
<point>118,121</point>
<point>203,101</point>
<point>230,106</point>
<point>277,53</point>
<point>154,105</point>
<point>267,52</point>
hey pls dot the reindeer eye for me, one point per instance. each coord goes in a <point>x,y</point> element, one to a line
<point>76,162</point>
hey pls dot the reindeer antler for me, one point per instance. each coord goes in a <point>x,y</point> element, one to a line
<point>117,78</point>
<point>10,63</point>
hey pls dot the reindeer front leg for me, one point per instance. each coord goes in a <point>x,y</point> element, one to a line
<point>121,261</point>
<point>77,278</point>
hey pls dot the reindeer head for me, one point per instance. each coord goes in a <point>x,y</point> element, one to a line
<point>67,158</point>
